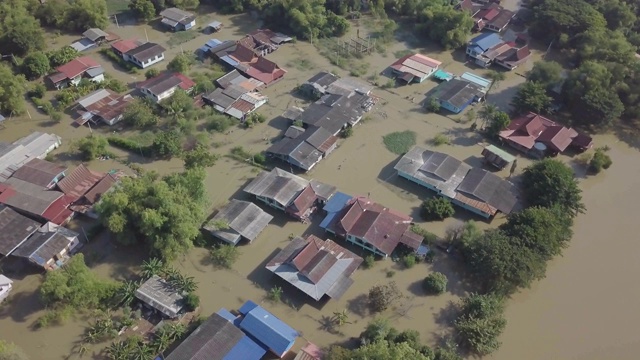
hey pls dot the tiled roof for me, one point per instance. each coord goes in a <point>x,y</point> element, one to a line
<point>77,66</point>
<point>125,45</point>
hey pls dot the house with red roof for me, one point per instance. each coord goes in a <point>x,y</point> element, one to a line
<point>487,14</point>
<point>259,68</point>
<point>75,70</point>
<point>538,136</point>
<point>84,187</point>
<point>374,227</point>
<point>415,68</point>
<point>102,105</point>
<point>164,85</point>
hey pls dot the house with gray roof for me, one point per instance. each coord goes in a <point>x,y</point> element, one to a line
<point>434,170</point>
<point>290,193</point>
<point>49,247</point>
<point>456,94</point>
<point>316,267</point>
<point>15,229</point>
<point>36,201</point>
<point>35,145</point>
<point>95,35</point>
<point>473,189</point>
<point>238,220</point>
<point>485,193</point>
<point>177,19</point>
<point>335,112</point>
<point>145,54</point>
<point>303,149</point>
<point>158,294</point>
<point>40,172</point>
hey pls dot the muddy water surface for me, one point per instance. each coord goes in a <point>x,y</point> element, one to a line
<point>584,309</point>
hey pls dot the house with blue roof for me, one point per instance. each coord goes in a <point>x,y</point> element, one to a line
<point>480,45</point>
<point>266,329</point>
<point>217,338</point>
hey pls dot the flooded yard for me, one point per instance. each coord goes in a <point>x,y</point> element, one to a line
<point>586,303</point>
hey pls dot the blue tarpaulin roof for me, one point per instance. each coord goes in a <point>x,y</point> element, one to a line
<point>443,75</point>
<point>486,41</point>
<point>229,316</point>
<point>245,349</point>
<point>268,329</point>
<point>336,203</point>
<point>204,49</point>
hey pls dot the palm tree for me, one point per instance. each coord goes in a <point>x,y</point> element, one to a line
<point>161,341</point>
<point>127,292</point>
<point>275,293</point>
<point>152,267</point>
<point>186,284</point>
<point>170,273</point>
<point>175,331</point>
<point>118,350</point>
<point>82,349</point>
<point>341,317</point>
<point>487,113</point>
<point>141,352</point>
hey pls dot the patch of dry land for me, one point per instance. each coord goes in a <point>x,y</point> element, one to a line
<point>587,302</point>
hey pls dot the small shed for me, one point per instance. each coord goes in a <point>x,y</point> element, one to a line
<point>214,26</point>
<point>238,220</point>
<point>160,295</point>
<point>497,157</point>
<point>96,35</point>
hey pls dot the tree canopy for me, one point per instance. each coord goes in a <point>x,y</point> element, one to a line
<point>550,182</point>
<point>546,73</point>
<point>74,15</point>
<point>446,25</point>
<point>532,96</point>
<point>306,19</point>
<point>480,323</point>
<point>12,88</point>
<point>164,213</point>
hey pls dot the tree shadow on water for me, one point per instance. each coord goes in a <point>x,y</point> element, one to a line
<point>359,305</point>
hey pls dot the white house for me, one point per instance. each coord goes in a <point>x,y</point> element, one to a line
<point>145,55</point>
<point>5,287</point>
<point>164,85</point>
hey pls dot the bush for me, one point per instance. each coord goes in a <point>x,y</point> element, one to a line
<point>480,323</point>
<point>409,261</point>
<point>382,296</point>
<point>441,139</point>
<point>435,283</point>
<point>433,105</point>
<point>347,132</point>
<point>399,143</point>
<point>92,147</point>
<point>600,160</point>
<point>38,91</point>
<point>192,301</point>
<point>437,208</point>
<point>181,63</point>
<point>151,73</point>
<point>369,261</point>
<point>275,294</point>
<point>225,256</point>
<point>107,52</point>
<point>220,123</point>
<point>129,145</point>
<point>259,158</point>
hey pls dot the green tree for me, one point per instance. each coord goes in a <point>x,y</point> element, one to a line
<point>531,96</point>
<point>62,55</point>
<point>75,285</point>
<point>10,351</point>
<point>446,25</point>
<point>435,283</point>
<point>139,114</point>
<point>436,208</point>
<point>166,213</point>
<point>547,231</point>
<point>167,144</point>
<point>126,293</point>
<point>480,323</point>
<point>200,156</point>
<point>192,301</point>
<point>499,121</point>
<point>546,73</point>
<point>179,104</point>
<point>21,33</point>
<point>604,46</point>
<point>151,73</point>
<point>382,296</point>
<point>36,65</point>
<point>433,105</point>
<point>225,256</point>
<point>307,20</point>
<point>487,113</point>
<point>12,89</point>
<point>275,294</point>
<point>600,161</point>
<point>86,14</point>
<point>496,78</point>
<point>92,147</point>
<point>553,18</point>
<point>143,9</point>
<point>383,350</point>
<point>340,318</point>
<point>550,182</point>
<point>600,107</point>
<point>181,63</point>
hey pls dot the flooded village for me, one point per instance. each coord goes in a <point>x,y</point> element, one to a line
<point>312,209</point>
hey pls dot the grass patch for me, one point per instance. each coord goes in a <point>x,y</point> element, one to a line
<point>400,142</point>
<point>117,6</point>
<point>401,53</point>
<point>181,37</point>
<point>301,64</point>
<point>238,153</point>
<point>440,139</point>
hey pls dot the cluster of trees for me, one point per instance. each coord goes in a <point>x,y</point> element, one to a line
<point>380,341</point>
<point>601,39</point>
<point>163,213</point>
<point>72,288</point>
<point>135,347</point>
<point>515,254</point>
<point>148,9</point>
<point>306,19</point>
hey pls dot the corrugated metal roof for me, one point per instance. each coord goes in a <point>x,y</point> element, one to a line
<point>15,228</point>
<point>269,330</point>
<point>39,172</point>
<point>29,197</point>
<point>475,79</point>
<point>159,294</point>
<point>490,189</point>
<point>243,218</point>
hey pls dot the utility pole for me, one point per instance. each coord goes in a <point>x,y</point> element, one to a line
<point>115,16</point>
<point>145,34</point>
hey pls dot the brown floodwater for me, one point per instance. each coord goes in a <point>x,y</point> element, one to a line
<point>582,310</point>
